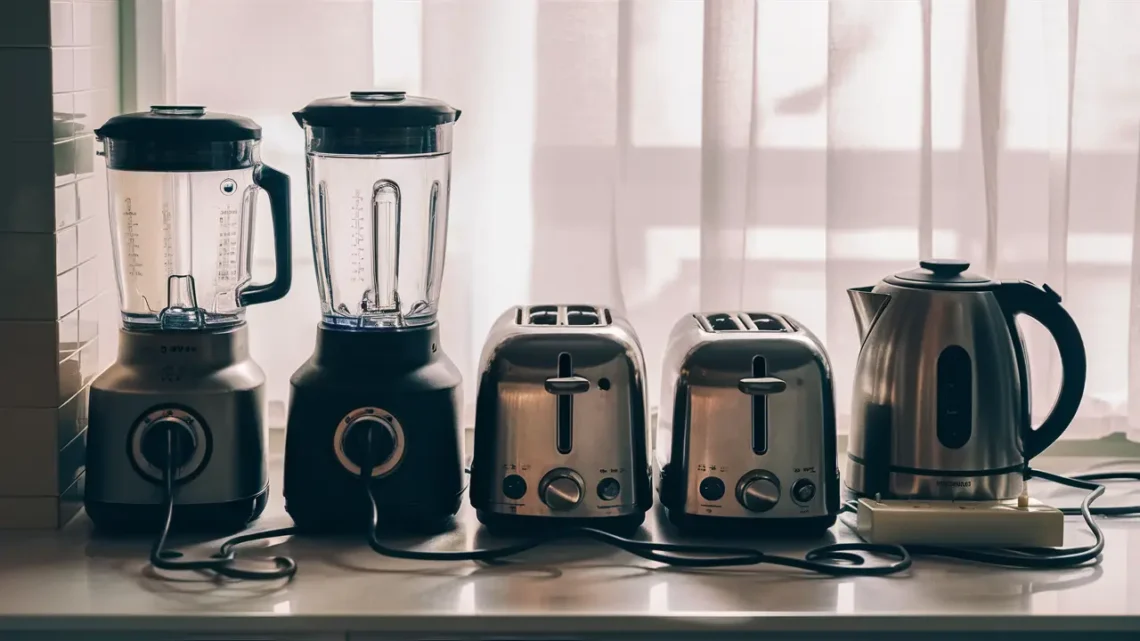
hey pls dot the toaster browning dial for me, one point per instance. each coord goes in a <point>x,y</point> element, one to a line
<point>758,491</point>
<point>561,489</point>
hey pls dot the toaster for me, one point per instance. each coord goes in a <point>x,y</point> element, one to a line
<point>560,422</point>
<point>746,427</point>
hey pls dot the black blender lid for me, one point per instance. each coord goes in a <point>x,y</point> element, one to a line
<point>376,109</point>
<point>178,125</point>
<point>941,273</point>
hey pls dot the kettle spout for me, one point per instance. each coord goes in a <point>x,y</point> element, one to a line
<point>867,305</point>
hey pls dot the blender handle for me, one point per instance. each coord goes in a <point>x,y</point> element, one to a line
<point>1044,306</point>
<point>276,185</point>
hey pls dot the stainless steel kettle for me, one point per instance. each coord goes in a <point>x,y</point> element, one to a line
<point>941,406</point>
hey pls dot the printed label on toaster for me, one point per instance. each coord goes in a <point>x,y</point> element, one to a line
<point>701,467</point>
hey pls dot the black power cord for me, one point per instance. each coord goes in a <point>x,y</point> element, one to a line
<point>222,562</point>
<point>1037,557</point>
<point>840,559</point>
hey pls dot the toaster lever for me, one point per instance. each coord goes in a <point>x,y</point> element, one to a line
<point>567,385</point>
<point>761,385</point>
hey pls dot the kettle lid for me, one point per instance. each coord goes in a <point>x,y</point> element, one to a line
<point>941,273</point>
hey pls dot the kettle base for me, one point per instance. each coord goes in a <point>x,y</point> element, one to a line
<point>525,524</point>
<point>699,524</point>
<point>889,481</point>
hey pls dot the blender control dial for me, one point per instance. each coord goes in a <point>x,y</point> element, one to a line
<point>561,489</point>
<point>758,491</point>
<point>369,441</point>
<point>369,435</point>
<point>148,443</point>
<point>156,445</point>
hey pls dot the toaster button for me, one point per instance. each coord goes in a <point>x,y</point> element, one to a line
<point>514,487</point>
<point>803,491</point>
<point>608,488</point>
<point>712,489</point>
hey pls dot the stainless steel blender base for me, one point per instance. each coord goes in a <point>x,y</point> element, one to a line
<point>204,380</point>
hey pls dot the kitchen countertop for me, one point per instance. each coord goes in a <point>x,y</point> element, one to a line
<point>54,585</point>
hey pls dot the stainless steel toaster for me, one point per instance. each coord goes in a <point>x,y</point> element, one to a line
<point>746,427</point>
<point>560,425</point>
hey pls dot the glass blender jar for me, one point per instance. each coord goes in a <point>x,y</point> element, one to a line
<point>184,401</point>
<point>183,189</point>
<point>379,169</point>
<point>379,175</point>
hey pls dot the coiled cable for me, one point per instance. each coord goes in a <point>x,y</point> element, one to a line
<point>222,562</point>
<point>840,559</point>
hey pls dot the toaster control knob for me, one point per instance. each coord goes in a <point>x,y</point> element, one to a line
<point>758,491</point>
<point>561,490</point>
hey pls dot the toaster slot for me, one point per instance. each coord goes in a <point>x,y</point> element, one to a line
<point>581,315</point>
<point>565,406</point>
<point>542,315</point>
<point>722,323</point>
<point>565,386</point>
<point>759,409</point>
<point>763,322</point>
<point>759,386</point>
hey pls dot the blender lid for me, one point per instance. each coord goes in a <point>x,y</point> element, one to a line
<point>941,273</point>
<point>376,110</point>
<point>178,125</point>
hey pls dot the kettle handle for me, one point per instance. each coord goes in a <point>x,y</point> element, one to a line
<point>1044,305</point>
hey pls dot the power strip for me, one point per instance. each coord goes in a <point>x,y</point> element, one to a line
<point>995,524</point>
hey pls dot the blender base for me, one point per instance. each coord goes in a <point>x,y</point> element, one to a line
<point>399,373</point>
<point>219,518</point>
<point>204,379</point>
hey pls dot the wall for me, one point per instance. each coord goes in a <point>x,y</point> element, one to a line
<point>59,62</point>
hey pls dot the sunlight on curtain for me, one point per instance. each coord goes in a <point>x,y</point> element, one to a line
<point>665,156</point>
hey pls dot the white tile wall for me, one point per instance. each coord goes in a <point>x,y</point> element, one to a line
<point>58,308</point>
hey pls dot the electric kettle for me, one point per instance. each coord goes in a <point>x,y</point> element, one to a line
<point>941,407</point>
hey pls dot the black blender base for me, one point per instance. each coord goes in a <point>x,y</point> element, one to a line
<point>404,375</point>
<point>520,524</point>
<point>220,518</point>
<point>353,515</point>
<point>722,526</point>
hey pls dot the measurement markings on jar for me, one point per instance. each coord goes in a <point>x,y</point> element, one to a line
<point>133,263</point>
<point>229,234</point>
<point>357,248</point>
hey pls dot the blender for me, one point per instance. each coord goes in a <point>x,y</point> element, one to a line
<point>179,417</point>
<point>378,401</point>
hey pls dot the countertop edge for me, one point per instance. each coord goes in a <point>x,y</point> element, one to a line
<point>572,624</point>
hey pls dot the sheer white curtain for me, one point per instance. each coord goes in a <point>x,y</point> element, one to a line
<point>669,156</point>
